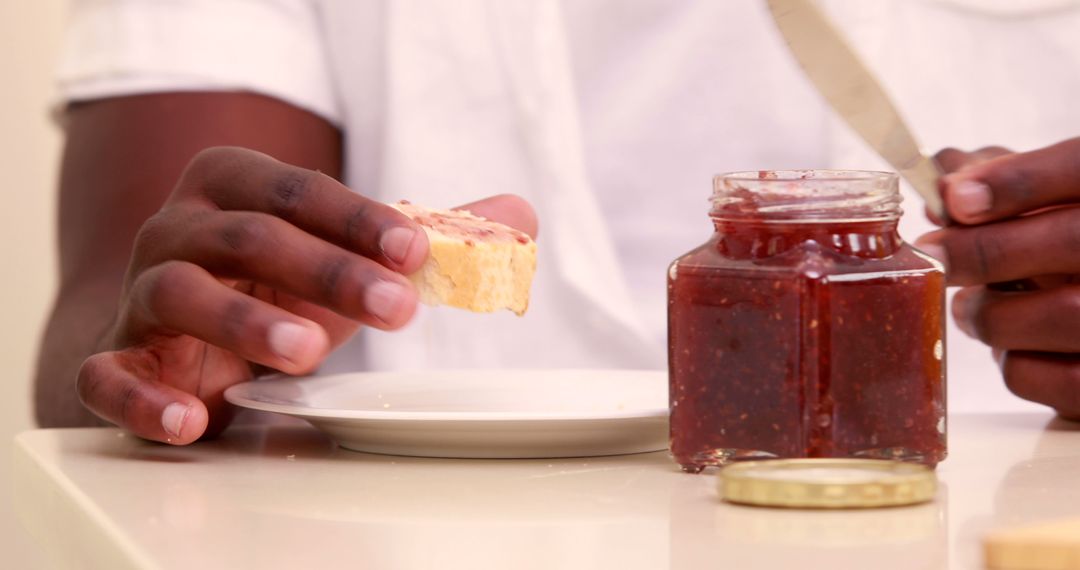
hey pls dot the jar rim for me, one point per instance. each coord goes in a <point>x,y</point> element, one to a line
<point>809,175</point>
<point>810,195</point>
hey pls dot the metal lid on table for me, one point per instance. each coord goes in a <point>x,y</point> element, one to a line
<point>827,483</point>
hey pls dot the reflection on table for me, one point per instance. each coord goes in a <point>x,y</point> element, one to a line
<point>285,496</point>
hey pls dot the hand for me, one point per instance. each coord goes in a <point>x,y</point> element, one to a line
<point>1016,220</point>
<point>951,159</point>
<point>250,262</point>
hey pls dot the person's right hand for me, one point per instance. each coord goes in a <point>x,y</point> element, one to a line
<point>250,262</point>
<point>1014,249</point>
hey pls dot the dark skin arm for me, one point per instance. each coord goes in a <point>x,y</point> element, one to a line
<point>121,160</point>
<point>188,267</point>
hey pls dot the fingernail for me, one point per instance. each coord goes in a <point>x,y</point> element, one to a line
<point>970,198</point>
<point>384,298</point>
<point>395,243</point>
<point>290,340</point>
<point>999,357</point>
<point>961,311</point>
<point>172,419</point>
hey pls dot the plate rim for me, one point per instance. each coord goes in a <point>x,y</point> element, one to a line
<point>232,396</point>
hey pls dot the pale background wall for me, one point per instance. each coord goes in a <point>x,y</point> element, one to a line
<point>29,149</point>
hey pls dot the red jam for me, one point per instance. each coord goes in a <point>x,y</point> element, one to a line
<point>461,224</point>
<point>805,327</point>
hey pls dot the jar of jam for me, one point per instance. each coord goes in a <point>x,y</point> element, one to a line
<point>805,326</point>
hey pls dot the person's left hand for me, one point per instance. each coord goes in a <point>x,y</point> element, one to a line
<point>1016,221</point>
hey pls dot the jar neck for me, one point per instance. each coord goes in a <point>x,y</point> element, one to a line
<point>743,239</point>
<point>766,213</point>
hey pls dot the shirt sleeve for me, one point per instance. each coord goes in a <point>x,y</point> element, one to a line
<point>127,47</point>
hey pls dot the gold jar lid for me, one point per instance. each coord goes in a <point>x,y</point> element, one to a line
<point>827,483</point>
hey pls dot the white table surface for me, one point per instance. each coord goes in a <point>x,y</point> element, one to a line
<point>286,497</point>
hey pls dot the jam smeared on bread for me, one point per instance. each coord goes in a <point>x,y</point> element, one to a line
<point>475,263</point>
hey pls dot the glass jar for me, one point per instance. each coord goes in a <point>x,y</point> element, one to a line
<point>805,326</point>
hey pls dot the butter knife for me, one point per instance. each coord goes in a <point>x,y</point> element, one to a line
<point>855,94</point>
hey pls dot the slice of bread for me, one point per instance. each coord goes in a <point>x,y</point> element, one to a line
<point>475,263</point>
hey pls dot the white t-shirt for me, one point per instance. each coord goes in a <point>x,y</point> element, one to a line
<point>610,116</point>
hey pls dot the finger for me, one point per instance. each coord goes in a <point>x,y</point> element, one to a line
<point>998,354</point>
<point>119,387</point>
<point>338,328</point>
<point>951,159</point>
<point>270,251</point>
<point>1040,244</point>
<point>508,209</point>
<point>241,179</point>
<point>989,153</point>
<point>1046,378</point>
<point>1046,320</point>
<point>182,298</point>
<point>933,217</point>
<point>1014,184</point>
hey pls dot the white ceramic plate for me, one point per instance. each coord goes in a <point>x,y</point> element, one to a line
<point>482,413</point>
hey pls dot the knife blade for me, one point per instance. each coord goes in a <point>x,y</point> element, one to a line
<point>855,94</point>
